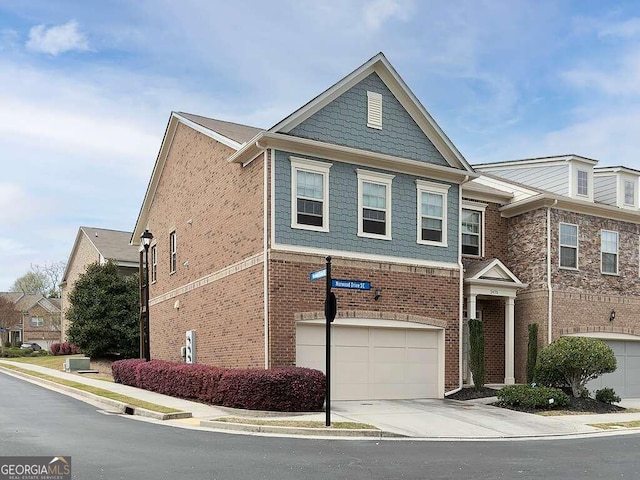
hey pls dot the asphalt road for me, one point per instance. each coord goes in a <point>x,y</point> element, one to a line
<point>37,421</point>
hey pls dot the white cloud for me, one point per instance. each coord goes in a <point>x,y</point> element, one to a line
<point>623,78</point>
<point>57,39</point>
<point>379,11</point>
<point>15,204</point>
<point>626,29</point>
<point>9,247</point>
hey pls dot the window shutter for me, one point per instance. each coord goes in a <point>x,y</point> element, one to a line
<point>374,110</point>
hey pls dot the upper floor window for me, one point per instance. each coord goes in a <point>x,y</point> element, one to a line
<point>374,204</point>
<point>36,322</point>
<point>432,213</point>
<point>310,194</point>
<point>154,263</point>
<point>609,251</point>
<point>568,246</point>
<point>629,193</point>
<point>471,231</point>
<point>583,183</point>
<point>173,252</point>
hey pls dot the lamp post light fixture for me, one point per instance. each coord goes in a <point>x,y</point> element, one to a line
<point>145,349</point>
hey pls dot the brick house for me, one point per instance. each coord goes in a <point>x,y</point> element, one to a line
<point>40,319</point>
<point>570,231</point>
<point>241,216</point>
<point>95,245</point>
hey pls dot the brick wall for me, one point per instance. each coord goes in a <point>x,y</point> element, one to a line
<point>216,210</point>
<point>46,334</point>
<point>408,290</point>
<point>493,323</point>
<point>85,254</point>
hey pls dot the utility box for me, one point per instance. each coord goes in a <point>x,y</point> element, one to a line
<point>190,347</point>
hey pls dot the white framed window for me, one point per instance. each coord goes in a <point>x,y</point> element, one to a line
<point>309,194</point>
<point>154,263</point>
<point>583,183</point>
<point>374,110</point>
<point>173,252</point>
<point>609,252</point>
<point>374,204</point>
<point>629,193</point>
<point>36,322</point>
<point>432,213</point>
<point>568,246</point>
<point>472,228</point>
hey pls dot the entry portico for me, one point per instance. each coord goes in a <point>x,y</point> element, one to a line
<point>491,278</point>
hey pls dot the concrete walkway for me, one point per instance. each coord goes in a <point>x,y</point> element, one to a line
<point>431,419</point>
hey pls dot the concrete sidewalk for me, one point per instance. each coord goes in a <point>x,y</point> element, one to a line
<point>416,419</point>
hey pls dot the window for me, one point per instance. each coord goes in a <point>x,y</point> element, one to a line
<point>629,193</point>
<point>609,248</point>
<point>568,246</point>
<point>374,204</point>
<point>374,110</point>
<point>470,228</point>
<point>309,194</point>
<point>583,183</point>
<point>173,252</point>
<point>154,264</point>
<point>36,322</point>
<point>432,213</point>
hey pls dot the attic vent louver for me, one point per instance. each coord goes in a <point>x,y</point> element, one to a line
<point>374,110</point>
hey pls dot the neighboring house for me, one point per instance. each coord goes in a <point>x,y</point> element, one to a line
<point>242,216</point>
<point>571,232</point>
<point>96,245</point>
<point>40,319</point>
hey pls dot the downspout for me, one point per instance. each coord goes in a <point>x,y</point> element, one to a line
<point>549,283</point>
<point>265,259</point>
<point>460,293</point>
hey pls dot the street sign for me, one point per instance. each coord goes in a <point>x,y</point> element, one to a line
<point>351,284</point>
<point>318,274</point>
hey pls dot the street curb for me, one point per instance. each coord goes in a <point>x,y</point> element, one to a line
<point>321,432</point>
<point>122,407</point>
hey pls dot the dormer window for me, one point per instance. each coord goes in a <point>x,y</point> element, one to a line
<point>583,183</point>
<point>629,193</point>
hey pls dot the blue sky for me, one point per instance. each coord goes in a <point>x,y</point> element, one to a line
<point>87,88</point>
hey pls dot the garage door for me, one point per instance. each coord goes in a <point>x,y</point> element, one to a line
<point>626,379</point>
<point>374,363</point>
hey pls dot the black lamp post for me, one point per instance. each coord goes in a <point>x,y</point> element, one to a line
<point>145,349</point>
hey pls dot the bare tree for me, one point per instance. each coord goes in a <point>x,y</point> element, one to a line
<point>43,279</point>
<point>9,319</point>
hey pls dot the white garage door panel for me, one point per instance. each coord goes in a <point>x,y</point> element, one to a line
<point>374,363</point>
<point>626,379</point>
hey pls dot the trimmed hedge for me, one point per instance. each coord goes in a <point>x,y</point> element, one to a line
<point>286,389</point>
<point>64,348</point>
<point>529,396</point>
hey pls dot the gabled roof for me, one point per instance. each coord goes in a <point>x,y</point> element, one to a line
<point>613,170</point>
<point>25,302</point>
<point>536,161</point>
<point>490,270</point>
<point>109,244</point>
<point>233,131</point>
<point>380,65</point>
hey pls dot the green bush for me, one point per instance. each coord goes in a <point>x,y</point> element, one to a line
<point>607,395</point>
<point>532,352</point>
<point>529,396</point>
<point>574,361</point>
<point>476,353</point>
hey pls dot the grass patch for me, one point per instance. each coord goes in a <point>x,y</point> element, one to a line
<point>296,423</point>
<point>50,361</point>
<point>558,413</point>
<point>134,402</point>
<point>612,425</point>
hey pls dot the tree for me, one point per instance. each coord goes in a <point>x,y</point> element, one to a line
<point>574,361</point>
<point>476,353</point>
<point>42,279</point>
<point>104,312</point>
<point>9,318</point>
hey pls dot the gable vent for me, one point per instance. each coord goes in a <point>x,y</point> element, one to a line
<point>374,110</point>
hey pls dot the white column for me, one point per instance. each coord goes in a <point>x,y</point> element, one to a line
<point>509,322</point>
<point>471,307</point>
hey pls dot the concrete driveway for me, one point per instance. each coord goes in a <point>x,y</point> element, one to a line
<point>435,418</point>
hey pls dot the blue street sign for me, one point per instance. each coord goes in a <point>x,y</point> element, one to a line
<point>318,274</point>
<point>351,284</point>
<point>2,330</point>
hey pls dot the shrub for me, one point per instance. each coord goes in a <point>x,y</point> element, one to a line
<point>532,352</point>
<point>529,396</point>
<point>476,354</point>
<point>607,395</point>
<point>64,348</point>
<point>281,389</point>
<point>54,348</point>
<point>573,361</point>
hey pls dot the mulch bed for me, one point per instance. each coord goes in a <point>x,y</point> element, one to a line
<point>578,405</point>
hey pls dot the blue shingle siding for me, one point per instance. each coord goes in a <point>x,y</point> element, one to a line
<point>344,122</point>
<point>343,215</point>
